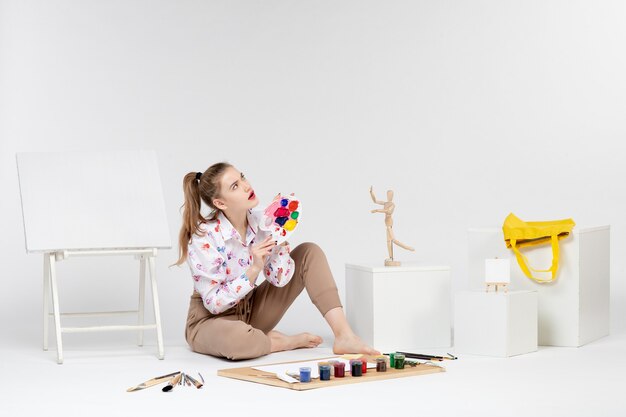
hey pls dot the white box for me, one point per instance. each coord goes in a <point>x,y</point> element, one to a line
<point>495,324</point>
<point>573,310</point>
<point>399,307</point>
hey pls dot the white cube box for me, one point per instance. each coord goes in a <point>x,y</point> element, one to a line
<point>399,307</point>
<point>495,324</point>
<point>574,309</point>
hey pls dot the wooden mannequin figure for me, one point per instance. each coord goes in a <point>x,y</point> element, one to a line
<point>388,208</point>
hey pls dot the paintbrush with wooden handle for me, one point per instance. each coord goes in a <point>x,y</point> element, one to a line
<point>197,383</point>
<point>154,381</point>
<point>173,382</point>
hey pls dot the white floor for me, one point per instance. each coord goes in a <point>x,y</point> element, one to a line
<point>585,381</point>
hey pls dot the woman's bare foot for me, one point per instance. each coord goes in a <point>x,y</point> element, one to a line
<point>351,343</point>
<point>280,341</point>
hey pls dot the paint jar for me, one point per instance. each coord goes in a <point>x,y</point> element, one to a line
<point>324,372</point>
<point>381,365</point>
<point>332,367</point>
<point>399,361</point>
<point>305,374</point>
<point>356,367</point>
<point>319,364</point>
<point>392,360</point>
<point>340,369</point>
<point>364,365</point>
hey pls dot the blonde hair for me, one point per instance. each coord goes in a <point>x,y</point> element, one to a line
<point>205,189</point>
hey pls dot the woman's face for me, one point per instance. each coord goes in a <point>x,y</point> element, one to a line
<point>236,193</point>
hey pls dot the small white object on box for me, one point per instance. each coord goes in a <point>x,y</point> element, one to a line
<point>399,307</point>
<point>497,273</point>
<point>497,270</point>
<point>495,324</point>
<point>574,309</point>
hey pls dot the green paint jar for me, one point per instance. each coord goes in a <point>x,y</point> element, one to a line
<point>399,361</point>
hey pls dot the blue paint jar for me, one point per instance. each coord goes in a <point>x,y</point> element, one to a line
<point>324,372</point>
<point>305,374</point>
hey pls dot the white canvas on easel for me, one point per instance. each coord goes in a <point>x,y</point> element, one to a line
<point>93,204</point>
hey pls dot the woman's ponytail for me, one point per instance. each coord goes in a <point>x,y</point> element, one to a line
<point>198,187</point>
<point>191,215</point>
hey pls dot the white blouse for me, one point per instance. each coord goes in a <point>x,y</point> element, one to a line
<point>219,259</point>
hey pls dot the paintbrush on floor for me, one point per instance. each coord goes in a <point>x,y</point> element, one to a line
<point>173,382</point>
<point>154,381</point>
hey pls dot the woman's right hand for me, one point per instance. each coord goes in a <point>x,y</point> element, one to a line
<point>260,252</point>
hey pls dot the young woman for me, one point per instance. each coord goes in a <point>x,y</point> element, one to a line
<point>229,315</point>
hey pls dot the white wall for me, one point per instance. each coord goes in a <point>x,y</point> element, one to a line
<point>467,109</point>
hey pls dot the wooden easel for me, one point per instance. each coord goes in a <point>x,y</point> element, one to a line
<point>496,285</point>
<point>497,274</point>
<point>93,204</point>
<point>50,292</point>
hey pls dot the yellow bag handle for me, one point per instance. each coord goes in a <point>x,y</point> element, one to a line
<point>524,264</point>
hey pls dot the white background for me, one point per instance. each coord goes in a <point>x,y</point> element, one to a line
<point>467,109</point>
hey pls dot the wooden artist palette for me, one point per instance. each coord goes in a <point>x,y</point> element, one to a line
<point>282,216</point>
<point>253,375</point>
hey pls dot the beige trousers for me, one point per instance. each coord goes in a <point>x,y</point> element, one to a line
<point>241,331</point>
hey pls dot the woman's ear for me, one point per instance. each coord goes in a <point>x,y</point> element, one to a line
<point>219,204</point>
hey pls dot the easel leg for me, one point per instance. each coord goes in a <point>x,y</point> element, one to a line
<point>155,302</point>
<point>142,296</point>
<point>55,306</point>
<point>46,299</point>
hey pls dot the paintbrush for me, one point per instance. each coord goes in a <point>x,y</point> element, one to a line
<point>173,382</point>
<point>427,357</point>
<point>197,383</point>
<point>286,377</point>
<point>151,382</point>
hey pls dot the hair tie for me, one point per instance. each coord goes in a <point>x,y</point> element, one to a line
<point>198,175</point>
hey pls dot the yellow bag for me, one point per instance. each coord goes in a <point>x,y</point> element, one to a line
<point>519,234</point>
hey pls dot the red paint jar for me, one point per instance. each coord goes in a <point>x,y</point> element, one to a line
<point>340,369</point>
